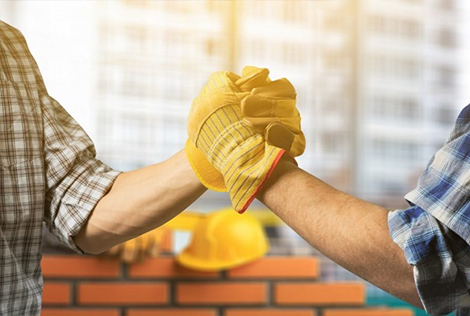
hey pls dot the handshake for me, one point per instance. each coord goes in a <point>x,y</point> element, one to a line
<point>239,128</point>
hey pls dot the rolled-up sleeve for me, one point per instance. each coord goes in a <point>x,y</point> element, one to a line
<point>434,232</point>
<point>440,258</point>
<point>76,180</point>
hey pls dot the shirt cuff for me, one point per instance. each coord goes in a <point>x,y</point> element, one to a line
<point>94,181</point>
<point>439,258</point>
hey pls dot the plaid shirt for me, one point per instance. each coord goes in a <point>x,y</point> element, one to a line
<point>434,232</point>
<point>48,173</point>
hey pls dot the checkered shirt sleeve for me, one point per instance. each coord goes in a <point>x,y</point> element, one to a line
<point>74,179</point>
<point>434,232</point>
<point>48,173</point>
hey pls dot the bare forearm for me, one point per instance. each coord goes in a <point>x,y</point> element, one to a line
<point>139,201</point>
<point>350,231</point>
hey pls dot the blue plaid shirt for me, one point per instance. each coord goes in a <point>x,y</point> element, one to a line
<point>434,232</point>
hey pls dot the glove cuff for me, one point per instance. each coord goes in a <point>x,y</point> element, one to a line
<point>248,169</point>
<point>210,177</point>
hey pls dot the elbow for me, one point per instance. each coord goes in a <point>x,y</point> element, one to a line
<point>92,250</point>
<point>415,300</point>
<point>89,245</point>
<point>408,292</point>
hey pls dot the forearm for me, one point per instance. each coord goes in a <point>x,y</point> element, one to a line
<point>139,201</point>
<point>350,231</point>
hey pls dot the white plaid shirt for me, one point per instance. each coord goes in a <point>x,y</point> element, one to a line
<point>48,173</point>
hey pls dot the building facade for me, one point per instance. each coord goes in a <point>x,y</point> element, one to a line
<point>409,54</point>
<point>377,81</point>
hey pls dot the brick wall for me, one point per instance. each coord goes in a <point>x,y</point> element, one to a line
<point>273,286</point>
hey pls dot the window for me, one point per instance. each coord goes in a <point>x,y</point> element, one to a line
<point>334,105</point>
<point>394,107</point>
<point>446,76</point>
<point>393,26</point>
<point>333,143</point>
<point>170,134</point>
<point>211,5</point>
<point>293,12</point>
<point>411,29</point>
<point>210,47</point>
<point>135,37</point>
<point>335,23</point>
<point>446,38</point>
<point>448,5</point>
<point>394,150</point>
<point>394,66</point>
<point>136,3</point>
<point>336,59</point>
<point>445,115</point>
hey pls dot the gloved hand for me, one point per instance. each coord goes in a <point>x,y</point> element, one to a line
<point>147,245</point>
<point>270,110</point>
<point>233,141</point>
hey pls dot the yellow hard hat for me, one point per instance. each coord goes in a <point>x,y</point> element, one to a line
<point>224,239</point>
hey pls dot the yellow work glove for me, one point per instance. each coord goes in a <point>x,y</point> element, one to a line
<point>270,110</point>
<point>140,248</point>
<point>234,146</point>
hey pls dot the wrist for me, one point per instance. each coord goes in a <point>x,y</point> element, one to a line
<point>283,171</point>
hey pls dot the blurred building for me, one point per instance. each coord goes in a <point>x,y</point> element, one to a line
<point>409,65</point>
<point>61,37</point>
<point>153,58</point>
<point>377,81</point>
<point>310,43</point>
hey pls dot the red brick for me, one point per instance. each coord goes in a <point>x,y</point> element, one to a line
<point>172,312</point>
<point>111,293</point>
<point>269,312</point>
<point>368,312</point>
<point>319,294</point>
<point>58,293</point>
<point>278,268</point>
<point>166,267</point>
<point>237,293</point>
<point>79,267</point>
<point>79,312</point>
